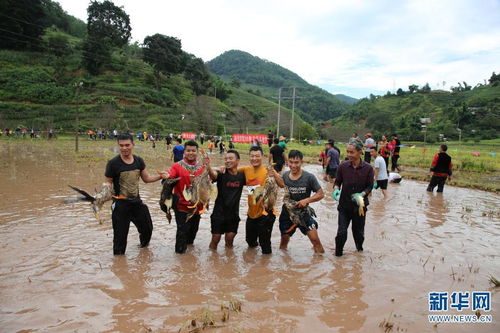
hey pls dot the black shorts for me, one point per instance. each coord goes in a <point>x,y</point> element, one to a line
<point>332,172</point>
<point>382,184</point>
<point>224,224</point>
<point>286,224</point>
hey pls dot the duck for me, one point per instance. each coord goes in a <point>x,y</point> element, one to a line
<point>166,196</point>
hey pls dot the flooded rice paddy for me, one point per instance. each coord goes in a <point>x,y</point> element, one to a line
<point>58,274</point>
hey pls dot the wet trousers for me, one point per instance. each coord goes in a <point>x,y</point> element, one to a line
<point>368,157</point>
<point>186,231</point>
<point>358,230</point>
<point>437,181</point>
<point>123,214</point>
<point>394,162</point>
<point>258,232</point>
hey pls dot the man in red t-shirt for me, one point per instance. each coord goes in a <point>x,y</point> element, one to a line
<point>186,169</point>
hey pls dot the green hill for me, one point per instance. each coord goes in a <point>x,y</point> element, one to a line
<point>262,77</point>
<point>476,111</point>
<point>40,87</point>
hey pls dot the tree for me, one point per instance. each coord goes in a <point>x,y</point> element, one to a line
<point>105,20</point>
<point>108,26</point>
<point>197,73</point>
<point>235,82</point>
<point>21,24</point>
<point>494,79</point>
<point>165,54</point>
<point>413,88</point>
<point>425,89</point>
<point>221,90</point>
<point>400,92</point>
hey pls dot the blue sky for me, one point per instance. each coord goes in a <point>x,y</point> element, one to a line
<point>349,47</point>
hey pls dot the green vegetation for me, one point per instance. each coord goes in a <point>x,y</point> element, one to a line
<point>65,72</point>
<point>263,78</point>
<point>475,111</point>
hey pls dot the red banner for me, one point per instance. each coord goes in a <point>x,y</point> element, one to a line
<point>188,136</point>
<point>248,138</point>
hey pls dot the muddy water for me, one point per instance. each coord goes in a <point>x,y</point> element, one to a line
<point>57,272</point>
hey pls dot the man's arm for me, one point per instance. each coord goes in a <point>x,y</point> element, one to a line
<point>369,183</point>
<point>151,179</point>
<point>270,158</point>
<point>207,163</point>
<point>316,197</point>
<point>277,177</point>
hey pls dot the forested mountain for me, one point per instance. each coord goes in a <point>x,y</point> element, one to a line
<point>347,99</point>
<point>473,112</point>
<point>263,77</point>
<point>54,67</point>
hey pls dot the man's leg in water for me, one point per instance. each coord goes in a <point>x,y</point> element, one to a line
<point>314,238</point>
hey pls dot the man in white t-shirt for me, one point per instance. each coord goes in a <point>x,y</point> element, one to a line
<point>381,178</point>
<point>395,177</point>
<point>369,144</point>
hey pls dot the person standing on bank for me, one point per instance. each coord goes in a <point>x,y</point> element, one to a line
<point>186,169</point>
<point>225,217</point>
<point>396,146</point>
<point>277,156</point>
<point>355,177</point>
<point>441,169</point>
<point>178,151</point>
<point>369,143</point>
<point>122,175</point>
<point>300,184</point>
<point>270,137</point>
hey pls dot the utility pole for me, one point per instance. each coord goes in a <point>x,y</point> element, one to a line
<point>78,87</point>
<point>293,113</point>
<point>279,113</point>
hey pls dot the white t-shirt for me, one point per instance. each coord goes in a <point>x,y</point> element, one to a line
<point>369,143</point>
<point>394,176</point>
<point>382,168</point>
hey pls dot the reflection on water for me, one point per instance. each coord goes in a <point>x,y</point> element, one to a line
<point>57,272</point>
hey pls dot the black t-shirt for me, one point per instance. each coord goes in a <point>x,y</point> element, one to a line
<point>277,152</point>
<point>125,177</point>
<point>229,189</point>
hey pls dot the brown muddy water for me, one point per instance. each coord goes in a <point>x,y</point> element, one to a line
<point>58,274</point>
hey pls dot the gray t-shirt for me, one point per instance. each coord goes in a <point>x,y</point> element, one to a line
<point>369,143</point>
<point>302,187</point>
<point>334,158</point>
<point>382,168</point>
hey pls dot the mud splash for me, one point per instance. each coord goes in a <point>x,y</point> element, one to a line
<point>57,272</point>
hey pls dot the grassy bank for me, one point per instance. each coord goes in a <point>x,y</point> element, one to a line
<point>480,172</point>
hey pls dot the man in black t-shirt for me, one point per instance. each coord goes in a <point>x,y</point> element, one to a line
<point>225,217</point>
<point>123,173</point>
<point>277,156</point>
<point>270,137</point>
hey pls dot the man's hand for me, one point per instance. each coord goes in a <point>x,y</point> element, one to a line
<point>336,195</point>
<point>302,203</point>
<point>206,160</point>
<point>164,174</point>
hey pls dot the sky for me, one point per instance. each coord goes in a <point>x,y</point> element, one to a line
<point>351,47</point>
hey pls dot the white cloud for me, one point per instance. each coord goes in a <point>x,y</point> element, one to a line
<point>358,46</point>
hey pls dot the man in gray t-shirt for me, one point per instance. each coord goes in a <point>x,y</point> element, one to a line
<point>380,178</point>
<point>369,144</point>
<point>296,212</point>
<point>332,162</point>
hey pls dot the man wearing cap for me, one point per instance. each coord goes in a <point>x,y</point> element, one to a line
<point>369,143</point>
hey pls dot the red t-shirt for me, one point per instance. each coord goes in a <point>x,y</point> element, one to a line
<point>186,171</point>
